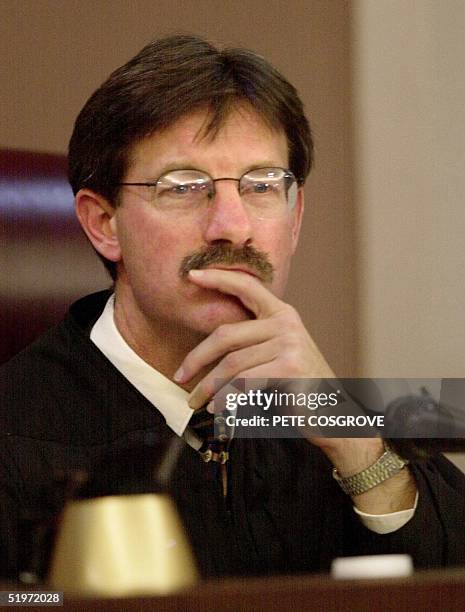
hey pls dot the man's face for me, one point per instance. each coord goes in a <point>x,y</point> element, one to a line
<point>154,242</point>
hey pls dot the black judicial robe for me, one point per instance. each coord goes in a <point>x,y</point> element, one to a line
<point>63,405</point>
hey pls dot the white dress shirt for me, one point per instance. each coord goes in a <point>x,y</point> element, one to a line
<point>171,401</point>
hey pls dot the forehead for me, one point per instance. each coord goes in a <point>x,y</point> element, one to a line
<point>243,140</point>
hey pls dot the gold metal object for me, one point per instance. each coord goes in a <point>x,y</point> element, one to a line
<point>207,455</point>
<point>218,457</point>
<point>122,546</point>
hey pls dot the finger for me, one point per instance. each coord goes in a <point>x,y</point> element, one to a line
<point>226,338</point>
<point>247,288</point>
<point>233,365</point>
<point>257,377</point>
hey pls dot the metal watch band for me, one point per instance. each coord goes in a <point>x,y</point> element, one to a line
<point>388,465</point>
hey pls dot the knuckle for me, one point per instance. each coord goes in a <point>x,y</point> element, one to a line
<point>231,361</point>
<point>222,333</point>
<point>290,364</point>
<point>291,345</point>
<point>291,327</point>
<point>288,315</point>
<point>292,340</point>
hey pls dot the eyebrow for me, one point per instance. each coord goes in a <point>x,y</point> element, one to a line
<point>186,166</point>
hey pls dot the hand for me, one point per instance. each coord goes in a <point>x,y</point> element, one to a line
<point>276,345</point>
<point>273,345</point>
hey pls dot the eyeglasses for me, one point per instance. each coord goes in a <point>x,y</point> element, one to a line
<point>265,192</point>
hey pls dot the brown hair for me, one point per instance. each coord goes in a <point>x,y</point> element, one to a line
<point>166,80</point>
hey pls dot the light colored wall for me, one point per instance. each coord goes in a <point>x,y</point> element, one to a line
<point>406,253</point>
<point>55,53</point>
<point>409,132</point>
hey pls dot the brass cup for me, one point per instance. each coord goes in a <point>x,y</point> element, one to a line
<point>120,546</point>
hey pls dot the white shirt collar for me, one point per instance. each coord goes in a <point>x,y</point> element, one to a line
<point>165,395</point>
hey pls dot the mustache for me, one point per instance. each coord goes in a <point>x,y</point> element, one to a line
<point>224,253</point>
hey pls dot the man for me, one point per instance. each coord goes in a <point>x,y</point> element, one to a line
<point>188,166</point>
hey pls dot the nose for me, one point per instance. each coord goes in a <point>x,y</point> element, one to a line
<point>227,218</point>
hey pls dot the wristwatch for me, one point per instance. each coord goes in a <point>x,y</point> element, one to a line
<point>388,465</point>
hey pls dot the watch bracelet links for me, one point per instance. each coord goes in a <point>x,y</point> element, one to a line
<point>388,465</point>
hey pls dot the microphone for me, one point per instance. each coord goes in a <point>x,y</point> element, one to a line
<point>419,426</point>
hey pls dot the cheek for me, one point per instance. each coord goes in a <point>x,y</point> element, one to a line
<point>149,267</point>
<point>276,239</point>
<point>153,249</point>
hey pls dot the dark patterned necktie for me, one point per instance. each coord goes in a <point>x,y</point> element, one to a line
<point>214,447</point>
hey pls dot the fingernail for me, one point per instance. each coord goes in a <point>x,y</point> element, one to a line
<point>179,375</point>
<point>196,273</point>
<point>211,408</point>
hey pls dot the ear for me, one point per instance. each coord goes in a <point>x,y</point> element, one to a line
<point>97,218</point>
<point>297,218</point>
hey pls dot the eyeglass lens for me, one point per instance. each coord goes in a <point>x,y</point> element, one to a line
<point>266,192</point>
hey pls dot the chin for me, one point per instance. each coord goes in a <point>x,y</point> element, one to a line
<point>210,316</point>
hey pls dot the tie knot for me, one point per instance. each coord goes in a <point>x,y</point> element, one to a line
<point>213,448</point>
